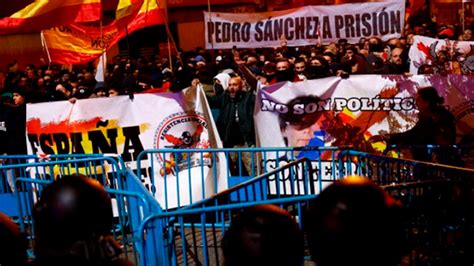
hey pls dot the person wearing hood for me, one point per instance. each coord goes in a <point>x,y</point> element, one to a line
<point>221,82</point>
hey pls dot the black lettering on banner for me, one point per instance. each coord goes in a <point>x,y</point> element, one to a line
<point>349,25</point>
<point>395,22</point>
<point>44,141</point>
<point>99,142</point>
<point>289,33</point>
<point>246,32</point>
<point>357,22</point>
<point>267,31</point>
<point>258,31</point>
<point>97,43</point>
<point>226,32</point>
<point>327,34</point>
<point>317,28</point>
<point>218,32</point>
<point>33,140</point>
<point>76,139</point>
<point>299,28</point>
<point>62,143</point>
<point>367,30</point>
<point>278,29</point>
<point>210,31</point>
<point>236,32</point>
<point>102,42</point>
<point>374,24</point>
<point>384,26</point>
<point>73,143</point>
<point>132,143</point>
<point>339,24</point>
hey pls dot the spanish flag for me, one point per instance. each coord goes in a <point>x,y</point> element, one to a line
<point>45,14</point>
<point>77,43</point>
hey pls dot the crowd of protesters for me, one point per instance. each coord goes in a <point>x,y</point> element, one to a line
<point>268,65</point>
<point>257,67</point>
<point>217,71</point>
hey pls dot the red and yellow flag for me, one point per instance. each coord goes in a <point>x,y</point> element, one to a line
<point>76,43</point>
<point>45,14</point>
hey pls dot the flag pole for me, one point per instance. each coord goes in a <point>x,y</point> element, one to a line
<point>170,38</point>
<point>210,21</point>
<point>463,18</point>
<point>103,50</point>
<point>45,47</point>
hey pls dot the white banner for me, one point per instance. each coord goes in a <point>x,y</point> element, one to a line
<point>126,127</point>
<point>436,56</point>
<point>346,112</point>
<point>308,25</point>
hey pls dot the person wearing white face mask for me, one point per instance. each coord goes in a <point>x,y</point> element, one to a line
<point>221,82</point>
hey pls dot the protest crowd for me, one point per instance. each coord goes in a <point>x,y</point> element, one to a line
<point>230,79</point>
<point>212,69</point>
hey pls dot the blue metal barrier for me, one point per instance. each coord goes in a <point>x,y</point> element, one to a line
<point>296,178</point>
<point>192,236</point>
<point>259,160</point>
<point>12,166</point>
<point>277,175</point>
<point>456,155</point>
<point>130,200</point>
<point>385,170</point>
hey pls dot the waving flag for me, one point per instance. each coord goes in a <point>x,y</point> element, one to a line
<point>45,14</point>
<point>126,8</point>
<point>151,13</point>
<point>76,43</point>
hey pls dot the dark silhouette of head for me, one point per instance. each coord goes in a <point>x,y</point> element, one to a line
<point>303,111</point>
<point>431,96</point>
<point>354,222</point>
<point>263,235</point>
<point>13,244</point>
<point>73,221</point>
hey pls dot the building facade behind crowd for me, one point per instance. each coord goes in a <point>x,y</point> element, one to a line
<point>264,66</point>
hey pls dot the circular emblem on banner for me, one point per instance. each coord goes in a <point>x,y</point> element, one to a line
<point>182,131</point>
<point>464,114</point>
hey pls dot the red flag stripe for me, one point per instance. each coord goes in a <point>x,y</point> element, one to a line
<point>59,16</point>
<point>62,56</point>
<point>63,50</point>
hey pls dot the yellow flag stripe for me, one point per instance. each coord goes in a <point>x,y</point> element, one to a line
<point>41,7</point>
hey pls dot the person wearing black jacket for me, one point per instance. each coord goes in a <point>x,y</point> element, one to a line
<point>235,123</point>
<point>435,126</point>
<point>16,122</point>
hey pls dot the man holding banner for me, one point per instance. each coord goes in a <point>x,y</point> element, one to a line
<point>235,122</point>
